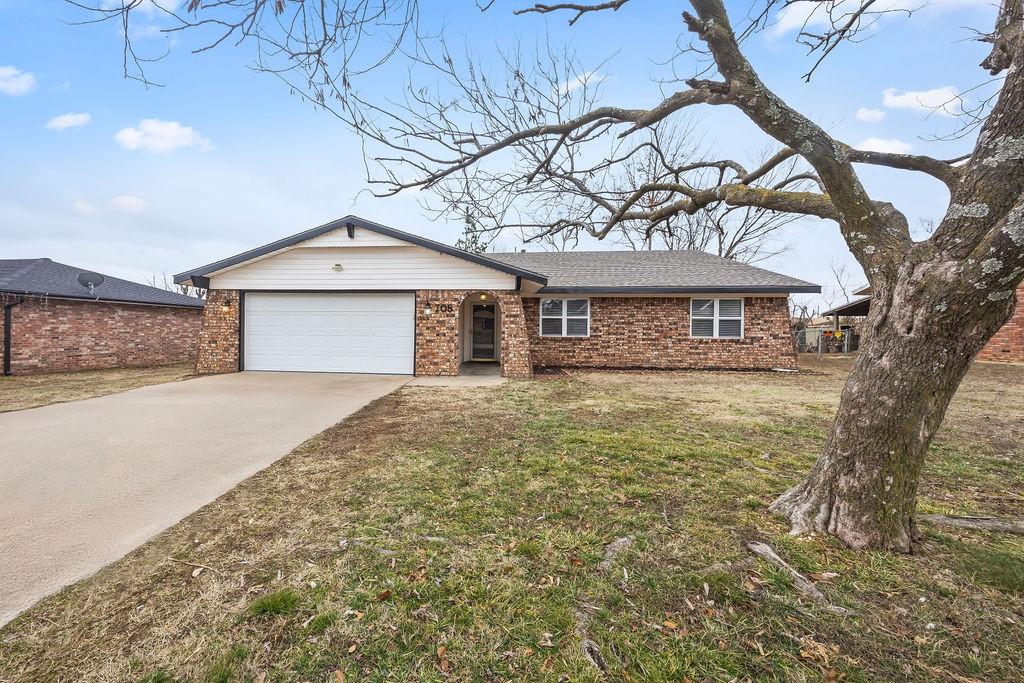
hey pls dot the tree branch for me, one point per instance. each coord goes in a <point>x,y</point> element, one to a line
<point>579,9</point>
<point>943,170</point>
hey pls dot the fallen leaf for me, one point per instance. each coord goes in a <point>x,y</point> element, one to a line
<point>670,624</point>
<point>548,664</point>
<point>196,572</point>
<point>352,648</point>
<point>383,595</point>
<point>339,677</point>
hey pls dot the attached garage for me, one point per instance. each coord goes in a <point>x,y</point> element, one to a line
<point>329,332</point>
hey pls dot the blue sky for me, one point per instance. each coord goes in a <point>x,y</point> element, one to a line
<point>103,173</point>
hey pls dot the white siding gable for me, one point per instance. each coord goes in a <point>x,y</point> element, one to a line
<point>403,267</point>
<point>363,238</point>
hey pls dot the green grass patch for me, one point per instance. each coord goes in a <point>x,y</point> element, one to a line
<point>282,601</point>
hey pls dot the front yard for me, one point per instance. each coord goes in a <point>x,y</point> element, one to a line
<point>544,530</point>
<point>19,392</point>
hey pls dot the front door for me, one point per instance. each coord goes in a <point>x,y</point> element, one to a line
<point>483,332</point>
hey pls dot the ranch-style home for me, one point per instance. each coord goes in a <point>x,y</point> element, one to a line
<point>355,296</point>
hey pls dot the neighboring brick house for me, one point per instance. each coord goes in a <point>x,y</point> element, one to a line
<point>1005,346</point>
<point>356,296</point>
<point>54,323</point>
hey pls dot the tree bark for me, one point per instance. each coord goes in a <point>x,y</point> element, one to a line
<point>918,344</point>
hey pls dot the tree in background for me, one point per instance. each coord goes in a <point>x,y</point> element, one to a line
<point>506,143</point>
<point>470,240</point>
<point>744,233</point>
<point>166,282</point>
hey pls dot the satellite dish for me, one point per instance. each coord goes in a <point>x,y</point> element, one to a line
<point>90,280</point>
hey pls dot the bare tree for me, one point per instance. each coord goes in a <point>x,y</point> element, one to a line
<point>166,282</point>
<point>744,233</point>
<point>837,292</point>
<point>505,143</point>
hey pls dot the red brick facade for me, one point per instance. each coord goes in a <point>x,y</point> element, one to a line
<point>218,345</point>
<point>625,332</point>
<point>654,332</point>
<point>438,336</point>
<point>64,335</point>
<point>1007,345</point>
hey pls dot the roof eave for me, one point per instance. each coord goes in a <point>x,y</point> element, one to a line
<point>851,309</point>
<point>238,259</point>
<point>102,300</point>
<point>745,289</point>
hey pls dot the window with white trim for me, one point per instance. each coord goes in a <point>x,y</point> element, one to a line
<point>716,318</point>
<point>565,317</point>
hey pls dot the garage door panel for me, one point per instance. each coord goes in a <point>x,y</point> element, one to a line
<point>315,332</point>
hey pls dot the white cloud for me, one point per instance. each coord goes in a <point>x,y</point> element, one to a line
<point>128,203</point>
<point>590,79</point>
<point>870,115</point>
<point>15,82</point>
<point>796,16</point>
<point>890,145</point>
<point>945,101</point>
<point>68,120</point>
<point>161,137</point>
<point>83,208</point>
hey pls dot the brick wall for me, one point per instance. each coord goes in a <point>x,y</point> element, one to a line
<point>654,332</point>
<point>626,332</point>
<point>218,341</point>
<point>438,338</point>
<point>1007,344</point>
<point>64,335</point>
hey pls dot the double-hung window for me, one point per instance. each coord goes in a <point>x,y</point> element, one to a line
<point>564,317</point>
<point>716,318</point>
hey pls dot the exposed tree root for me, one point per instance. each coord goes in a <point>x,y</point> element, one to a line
<point>611,551</point>
<point>590,649</point>
<point>1006,526</point>
<point>591,652</point>
<point>802,583</point>
<point>814,507</point>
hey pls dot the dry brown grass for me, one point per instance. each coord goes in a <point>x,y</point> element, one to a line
<point>19,392</point>
<point>444,534</point>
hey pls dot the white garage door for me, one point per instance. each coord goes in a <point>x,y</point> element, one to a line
<point>371,333</point>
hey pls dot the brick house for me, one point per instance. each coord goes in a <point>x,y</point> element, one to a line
<point>356,296</point>
<point>1005,346</point>
<point>52,322</point>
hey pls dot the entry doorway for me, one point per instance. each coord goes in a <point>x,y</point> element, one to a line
<point>483,332</point>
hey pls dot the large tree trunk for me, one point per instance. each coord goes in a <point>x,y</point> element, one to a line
<point>916,349</point>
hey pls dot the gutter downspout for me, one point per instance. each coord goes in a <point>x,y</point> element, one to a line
<point>8,310</point>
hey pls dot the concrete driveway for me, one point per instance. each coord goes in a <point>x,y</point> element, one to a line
<point>83,483</point>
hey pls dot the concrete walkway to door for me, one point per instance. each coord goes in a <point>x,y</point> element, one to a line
<point>85,482</point>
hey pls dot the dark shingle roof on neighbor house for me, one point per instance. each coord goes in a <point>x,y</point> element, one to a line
<point>44,277</point>
<point>650,272</point>
<point>632,272</point>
